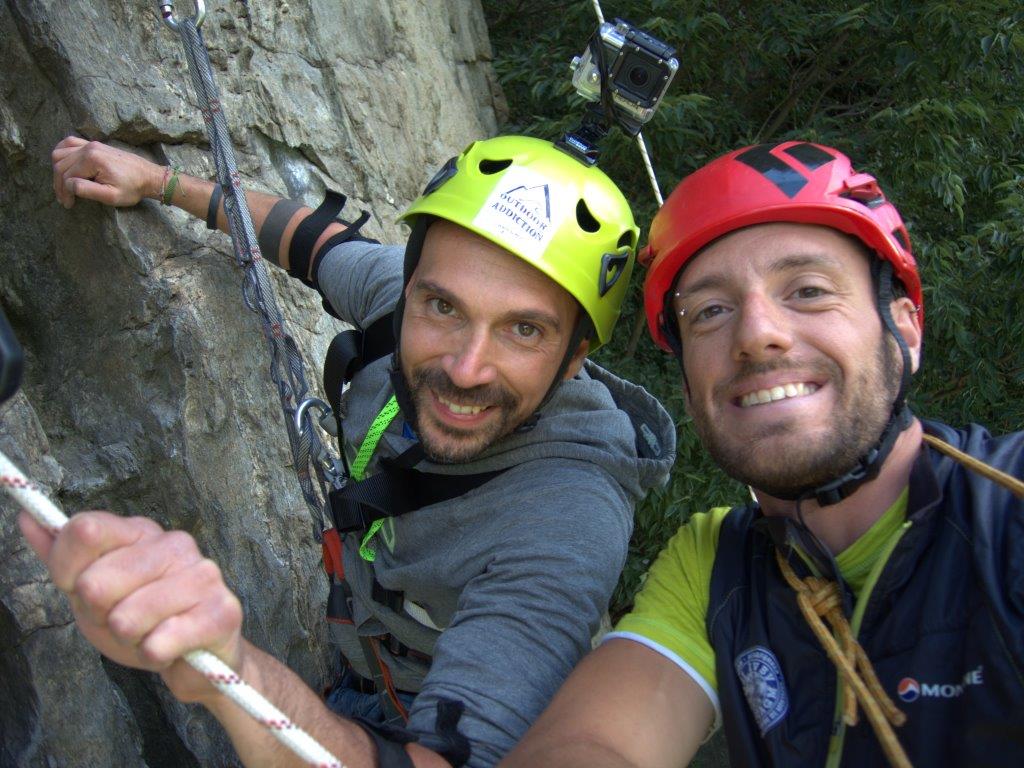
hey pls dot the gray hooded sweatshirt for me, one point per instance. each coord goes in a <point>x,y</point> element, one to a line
<point>505,585</point>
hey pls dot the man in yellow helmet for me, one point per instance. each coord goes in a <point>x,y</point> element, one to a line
<point>467,610</point>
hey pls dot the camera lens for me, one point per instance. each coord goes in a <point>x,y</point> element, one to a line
<point>639,76</point>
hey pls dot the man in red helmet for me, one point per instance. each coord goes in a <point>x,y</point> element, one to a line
<point>868,604</point>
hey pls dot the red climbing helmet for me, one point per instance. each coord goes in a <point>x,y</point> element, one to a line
<point>793,181</point>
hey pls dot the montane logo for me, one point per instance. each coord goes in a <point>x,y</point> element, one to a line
<point>910,689</point>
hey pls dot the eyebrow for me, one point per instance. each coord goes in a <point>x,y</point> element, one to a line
<point>784,264</point>
<point>536,316</point>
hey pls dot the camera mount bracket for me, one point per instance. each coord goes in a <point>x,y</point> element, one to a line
<point>583,142</point>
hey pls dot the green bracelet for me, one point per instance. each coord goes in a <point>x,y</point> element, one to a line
<point>167,195</point>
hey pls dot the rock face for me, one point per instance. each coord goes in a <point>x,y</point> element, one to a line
<point>146,389</point>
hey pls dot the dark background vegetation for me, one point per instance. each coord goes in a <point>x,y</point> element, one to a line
<point>927,96</point>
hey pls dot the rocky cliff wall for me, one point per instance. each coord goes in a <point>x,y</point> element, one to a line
<point>146,389</point>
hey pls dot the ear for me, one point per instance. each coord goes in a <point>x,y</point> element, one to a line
<point>576,361</point>
<point>908,322</point>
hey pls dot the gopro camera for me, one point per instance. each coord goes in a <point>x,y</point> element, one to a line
<point>635,67</point>
<point>624,73</point>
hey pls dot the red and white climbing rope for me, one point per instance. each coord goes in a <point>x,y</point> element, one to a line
<point>48,515</point>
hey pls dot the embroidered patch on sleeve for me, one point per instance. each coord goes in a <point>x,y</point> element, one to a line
<point>763,685</point>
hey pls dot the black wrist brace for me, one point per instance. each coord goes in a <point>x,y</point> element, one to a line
<point>389,741</point>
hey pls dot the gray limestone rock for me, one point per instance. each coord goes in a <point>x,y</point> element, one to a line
<point>146,390</point>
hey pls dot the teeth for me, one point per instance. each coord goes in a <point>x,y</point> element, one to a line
<point>777,393</point>
<point>462,410</point>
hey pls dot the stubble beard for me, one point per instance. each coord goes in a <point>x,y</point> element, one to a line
<point>444,443</point>
<point>808,463</point>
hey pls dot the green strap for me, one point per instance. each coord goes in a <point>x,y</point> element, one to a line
<point>369,445</point>
<point>835,746</point>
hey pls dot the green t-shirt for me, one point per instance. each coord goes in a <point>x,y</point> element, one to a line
<point>670,614</point>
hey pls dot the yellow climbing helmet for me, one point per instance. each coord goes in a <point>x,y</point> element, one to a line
<point>567,219</point>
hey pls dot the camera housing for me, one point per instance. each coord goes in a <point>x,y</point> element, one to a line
<point>629,68</point>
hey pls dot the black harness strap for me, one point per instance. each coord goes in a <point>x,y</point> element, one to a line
<point>389,743</point>
<point>351,351</point>
<point>446,740</point>
<point>351,233</point>
<point>396,490</point>
<point>309,230</point>
<point>393,491</point>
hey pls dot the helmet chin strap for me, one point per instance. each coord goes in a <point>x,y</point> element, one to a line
<point>413,251</point>
<point>869,465</point>
<point>866,469</point>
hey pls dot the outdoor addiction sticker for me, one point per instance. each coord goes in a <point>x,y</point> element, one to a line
<point>763,685</point>
<point>519,210</point>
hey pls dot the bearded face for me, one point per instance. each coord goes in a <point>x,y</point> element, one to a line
<point>791,378</point>
<point>484,335</point>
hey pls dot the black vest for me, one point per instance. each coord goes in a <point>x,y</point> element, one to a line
<point>943,626</point>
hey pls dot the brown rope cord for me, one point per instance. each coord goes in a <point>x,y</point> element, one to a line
<point>1009,482</point>
<point>818,597</point>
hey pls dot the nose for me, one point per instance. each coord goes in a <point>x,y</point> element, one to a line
<point>472,363</point>
<point>763,331</point>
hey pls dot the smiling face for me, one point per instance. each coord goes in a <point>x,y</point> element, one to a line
<point>791,376</point>
<point>483,335</point>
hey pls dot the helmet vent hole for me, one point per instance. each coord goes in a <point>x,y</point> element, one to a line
<point>585,218</point>
<point>488,167</point>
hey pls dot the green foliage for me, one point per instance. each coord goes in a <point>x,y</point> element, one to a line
<point>925,95</point>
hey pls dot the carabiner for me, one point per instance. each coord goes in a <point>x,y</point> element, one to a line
<point>167,14</point>
<point>325,420</point>
<point>332,468</point>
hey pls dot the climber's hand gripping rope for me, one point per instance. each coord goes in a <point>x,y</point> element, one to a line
<point>143,596</point>
<point>166,598</point>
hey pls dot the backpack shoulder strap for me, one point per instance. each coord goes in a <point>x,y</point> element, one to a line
<point>351,351</point>
<point>394,491</point>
